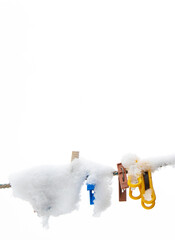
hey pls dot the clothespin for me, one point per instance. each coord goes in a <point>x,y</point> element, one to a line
<point>144,182</point>
<point>122,179</point>
<point>90,188</point>
<point>147,184</point>
<point>75,154</point>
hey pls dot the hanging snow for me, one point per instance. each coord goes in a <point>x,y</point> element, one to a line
<point>55,190</point>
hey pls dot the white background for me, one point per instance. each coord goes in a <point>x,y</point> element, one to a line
<point>94,76</point>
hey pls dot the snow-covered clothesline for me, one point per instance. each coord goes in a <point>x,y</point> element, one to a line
<point>55,190</point>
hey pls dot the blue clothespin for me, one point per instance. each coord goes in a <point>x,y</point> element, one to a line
<point>90,188</point>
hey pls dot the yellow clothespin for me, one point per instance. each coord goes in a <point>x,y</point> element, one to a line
<point>144,183</point>
<point>147,185</point>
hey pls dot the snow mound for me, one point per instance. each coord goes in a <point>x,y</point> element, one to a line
<point>55,190</point>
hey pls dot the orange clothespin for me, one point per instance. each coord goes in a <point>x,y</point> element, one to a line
<point>123,182</point>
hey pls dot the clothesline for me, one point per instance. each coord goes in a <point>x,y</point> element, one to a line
<point>75,154</point>
<point>55,190</point>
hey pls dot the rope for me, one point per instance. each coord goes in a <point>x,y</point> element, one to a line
<point>8,185</point>
<point>5,185</point>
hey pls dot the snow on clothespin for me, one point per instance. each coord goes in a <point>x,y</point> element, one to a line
<point>122,179</point>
